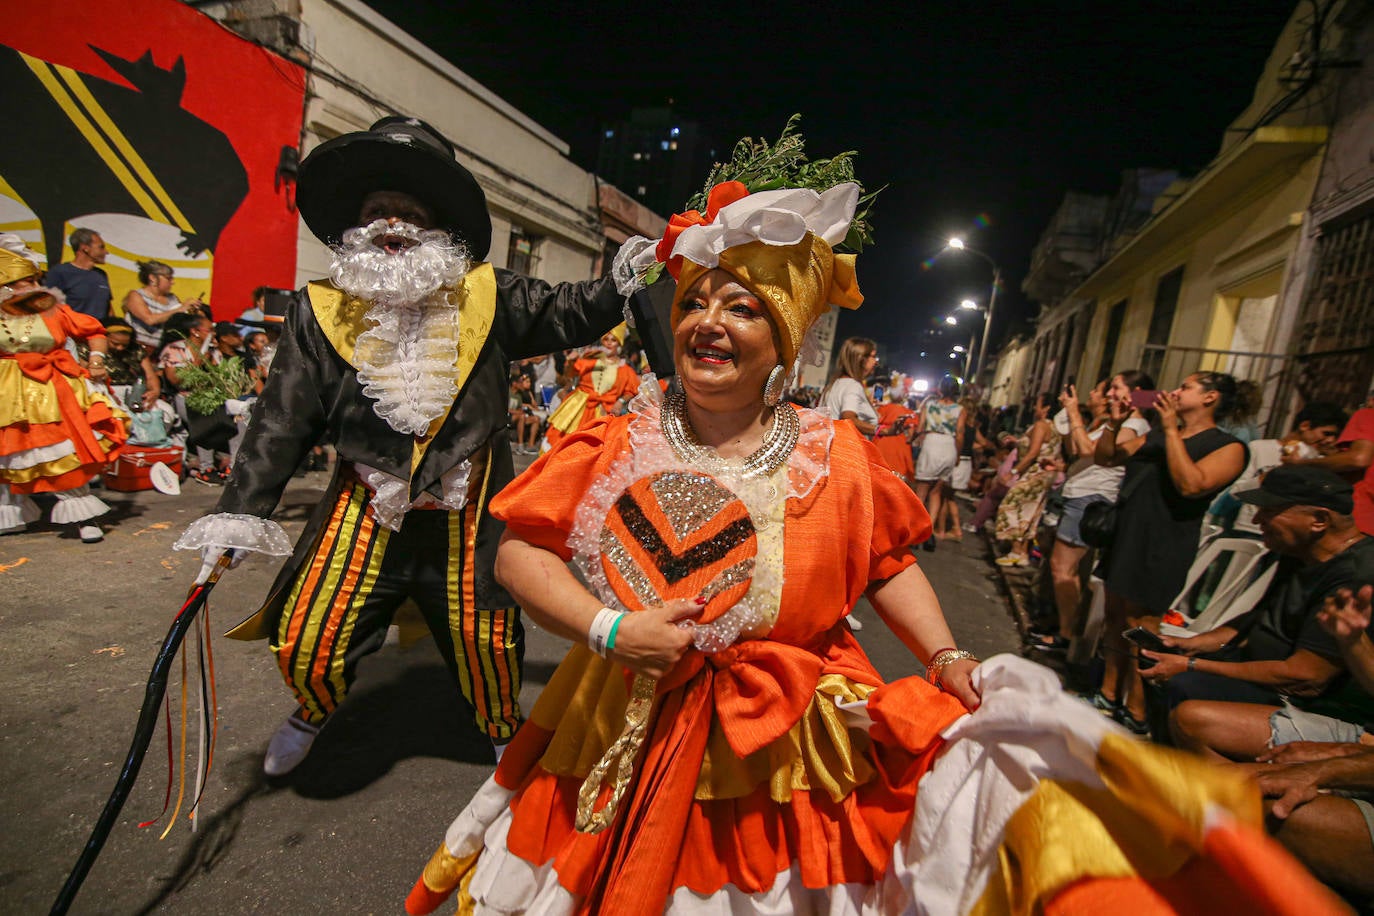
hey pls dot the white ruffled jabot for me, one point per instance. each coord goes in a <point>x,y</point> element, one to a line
<point>407,362</point>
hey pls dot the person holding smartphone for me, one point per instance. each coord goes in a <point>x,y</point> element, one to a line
<point>1172,473</point>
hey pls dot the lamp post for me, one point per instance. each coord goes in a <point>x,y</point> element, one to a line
<point>958,245</point>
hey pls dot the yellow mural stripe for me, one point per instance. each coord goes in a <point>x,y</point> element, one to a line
<point>121,142</point>
<point>93,137</point>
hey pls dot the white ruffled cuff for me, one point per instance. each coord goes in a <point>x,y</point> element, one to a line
<point>630,262</point>
<point>233,530</point>
<point>780,217</point>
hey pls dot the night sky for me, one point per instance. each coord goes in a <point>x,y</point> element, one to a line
<point>960,109</point>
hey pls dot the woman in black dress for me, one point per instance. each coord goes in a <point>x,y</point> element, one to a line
<point>1171,475</point>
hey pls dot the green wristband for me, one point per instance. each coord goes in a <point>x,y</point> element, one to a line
<point>610,639</point>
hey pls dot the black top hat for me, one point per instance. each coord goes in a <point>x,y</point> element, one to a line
<point>1295,485</point>
<point>396,154</point>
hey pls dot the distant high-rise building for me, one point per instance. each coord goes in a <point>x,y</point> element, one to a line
<point>656,157</point>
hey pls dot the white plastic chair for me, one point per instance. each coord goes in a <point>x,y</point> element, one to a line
<point>1242,558</point>
<point>1085,646</point>
<point>1239,589</point>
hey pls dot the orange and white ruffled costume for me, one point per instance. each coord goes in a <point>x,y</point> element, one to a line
<point>778,773</point>
<point>57,431</point>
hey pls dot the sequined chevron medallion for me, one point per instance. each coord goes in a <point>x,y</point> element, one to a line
<point>679,534</point>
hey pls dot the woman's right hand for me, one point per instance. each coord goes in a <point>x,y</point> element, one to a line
<point>652,641</point>
<point>1069,400</point>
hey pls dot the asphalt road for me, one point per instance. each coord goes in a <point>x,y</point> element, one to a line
<point>350,830</point>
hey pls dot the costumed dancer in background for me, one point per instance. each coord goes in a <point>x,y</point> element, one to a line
<point>398,361</point>
<point>716,741</point>
<point>605,384</point>
<point>57,431</point>
<point>896,426</point>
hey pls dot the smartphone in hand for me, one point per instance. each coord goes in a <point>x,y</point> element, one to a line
<point>1143,398</point>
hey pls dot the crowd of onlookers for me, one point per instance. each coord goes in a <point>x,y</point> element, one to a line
<point>159,346</point>
<point>1206,586</point>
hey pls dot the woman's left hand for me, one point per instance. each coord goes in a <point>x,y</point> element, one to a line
<point>97,370</point>
<point>957,678</point>
<point>1167,405</point>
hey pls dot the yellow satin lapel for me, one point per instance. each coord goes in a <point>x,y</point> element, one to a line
<point>339,316</point>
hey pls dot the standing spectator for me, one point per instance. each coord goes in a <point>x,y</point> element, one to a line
<point>947,525</point>
<point>81,280</point>
<point>149,307</point>
<point>1034,474</point>
<point>1355,460</point>
<point>1086,485</point>
<point>942,423</point>
<point>1171,474</point>
<point>844,397</point>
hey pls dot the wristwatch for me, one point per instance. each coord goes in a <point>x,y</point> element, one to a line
<point>1192,663</point>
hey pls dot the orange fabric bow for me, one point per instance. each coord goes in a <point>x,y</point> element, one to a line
<point>721,195</point>
<point>47,367</point>
<point>761,688</point>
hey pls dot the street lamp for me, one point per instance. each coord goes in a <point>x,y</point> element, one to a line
<point>951,320</point>
<point>957,244</point>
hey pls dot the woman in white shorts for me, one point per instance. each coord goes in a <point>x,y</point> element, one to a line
<point>942,422</point>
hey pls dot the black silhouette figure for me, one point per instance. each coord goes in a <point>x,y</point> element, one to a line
<point>57,172</point>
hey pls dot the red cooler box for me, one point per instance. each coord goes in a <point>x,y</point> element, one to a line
<point>130,470</point>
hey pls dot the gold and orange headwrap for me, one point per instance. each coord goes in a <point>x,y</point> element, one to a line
<point>770,247</point>
<point>14,267</point>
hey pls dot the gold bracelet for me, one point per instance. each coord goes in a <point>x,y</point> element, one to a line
<point>936,666</point>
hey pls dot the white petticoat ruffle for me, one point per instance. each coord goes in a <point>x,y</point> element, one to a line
<point>224,530</point>
<point>32,457</point>
<point>77,505</point>
<point>781,217</point>
<point>16,510</point>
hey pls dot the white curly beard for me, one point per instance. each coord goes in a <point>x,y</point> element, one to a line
<point>407,358</point>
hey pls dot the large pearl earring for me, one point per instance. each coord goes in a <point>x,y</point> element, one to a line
<point>772,389</point>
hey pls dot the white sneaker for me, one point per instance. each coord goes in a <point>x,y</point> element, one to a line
<point>289,746</point>
<point>90,534</point>
<point>855,623</point>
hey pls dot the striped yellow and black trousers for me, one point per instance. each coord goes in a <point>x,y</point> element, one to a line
<point>343,599</point>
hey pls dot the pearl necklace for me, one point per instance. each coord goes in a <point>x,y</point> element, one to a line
<point>777,444</point>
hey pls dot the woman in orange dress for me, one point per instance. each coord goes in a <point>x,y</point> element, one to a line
<point>605,384</point>
<point>56,431</point>
<point>716,741</point>
<point>893,438</point>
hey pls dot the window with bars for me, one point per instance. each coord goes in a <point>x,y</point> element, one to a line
<point>523,251</point>
<point>1332,353</point>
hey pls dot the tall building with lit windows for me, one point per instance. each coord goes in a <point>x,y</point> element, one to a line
<point>656,157</point>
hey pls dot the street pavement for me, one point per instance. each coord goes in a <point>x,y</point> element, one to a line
<point>349,831</point>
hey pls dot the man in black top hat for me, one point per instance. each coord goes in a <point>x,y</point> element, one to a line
<point>399,361</point>
<point>1275,675</point>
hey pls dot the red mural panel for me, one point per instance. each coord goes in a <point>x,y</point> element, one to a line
<point>159,128</point>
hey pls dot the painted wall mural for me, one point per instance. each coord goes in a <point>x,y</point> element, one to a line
<point>161,130</point>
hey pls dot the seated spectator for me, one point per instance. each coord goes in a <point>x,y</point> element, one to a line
<point>1313,435</point>
<point>128,365</point>
<point>524,413</point>
<point>1355,459</point>
<point>228,340</point>
<point>85,285</point>
<point>1323,808</point>
<point>1277,675</point>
